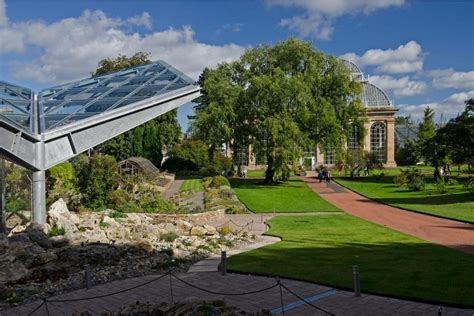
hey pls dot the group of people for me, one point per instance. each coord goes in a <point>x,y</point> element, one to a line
<point>324,174</point>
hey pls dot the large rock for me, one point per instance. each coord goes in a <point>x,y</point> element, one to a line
<point>210,230</point>
<point>59,216</point>
<point>183,227</point>
<point>110,222</point>
<point>198,231</point>
<point>36,234</point>
<point>12,272</point>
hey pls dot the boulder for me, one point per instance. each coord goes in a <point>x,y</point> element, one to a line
<point>183,227</point>
<point>12,272</point>
<point>110,222</point>
<point>210,230</point>
<point>198,231</point>
<point>59,216</point>
<point>17,229</point>
<point>36,234</point>
<point>45,257</point>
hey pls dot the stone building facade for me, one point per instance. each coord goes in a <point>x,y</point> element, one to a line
<point>379,137</point>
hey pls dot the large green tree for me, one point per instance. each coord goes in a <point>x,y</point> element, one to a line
<point>149,140</point>
<point>457,136</point>
<point>426,132</point>
<point>279,99</point>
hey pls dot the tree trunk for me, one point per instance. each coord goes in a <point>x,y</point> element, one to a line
<point>270,172</point>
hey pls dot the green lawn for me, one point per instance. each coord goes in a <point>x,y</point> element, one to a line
<point>457,204</point>
<point>194,185</point>
<point>256,173</point>
<point>292,196</point>
<point>323,249</point>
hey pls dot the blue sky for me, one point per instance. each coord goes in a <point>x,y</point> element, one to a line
<point>420,52</point>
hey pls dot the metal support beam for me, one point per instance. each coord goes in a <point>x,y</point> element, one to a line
<point>38,197</point>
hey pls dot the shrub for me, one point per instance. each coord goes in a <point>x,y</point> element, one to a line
<point>378,176</point>
<point>469,185</point>
<point>117,198</point>
<point>169,237</point>
<point>219,181</point>
<point>225,229</point>
<point>56,231</point>
<point>441,186</point>
<point>104,225</point>
<point>400,180</point>
<point>15,205</point>
<point>155,203</point>
<point>209,170</point>
<point>117,214</point>
<point>413,179</point>
<point>99,178</point>
<point>63,176</point>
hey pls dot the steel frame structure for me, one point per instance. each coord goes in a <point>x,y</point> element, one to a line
<point>59,123</point>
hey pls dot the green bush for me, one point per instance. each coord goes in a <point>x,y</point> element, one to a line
<point>413,179</point>
<point>469,185</point>
<point>118,198</point>
<point>378,176</point>
<point>56,231</point>
<point>209,170</point>
<point>219,181</point>
<point>400,180</point>
<point>117,214</point>
<point>15,205</point>
<point>441,186</point>
<point>99,179</point>
<point>169,237</point>
<point>63,176</point>
<point>155,203</point>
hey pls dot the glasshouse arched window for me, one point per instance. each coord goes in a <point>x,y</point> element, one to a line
<point>378,141</point>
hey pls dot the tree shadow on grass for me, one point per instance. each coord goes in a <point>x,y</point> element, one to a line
<point>414,271</point>
<point>257,183</point>
<point>431,200</point>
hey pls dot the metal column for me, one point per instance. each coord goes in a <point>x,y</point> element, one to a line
<point>3,214</point>
<point>38,197</point>
<point>38,185</point>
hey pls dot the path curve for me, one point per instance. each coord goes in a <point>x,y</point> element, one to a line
<point>441,231</point>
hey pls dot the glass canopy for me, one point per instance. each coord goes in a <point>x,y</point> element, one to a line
<point>15,104</point>
<point>85,98</point>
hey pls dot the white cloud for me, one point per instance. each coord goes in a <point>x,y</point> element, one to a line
<point>449,107</point>
<point>3,13</point>
<point>71,48</point>
<point>401,87</point>
<point>404,59</point>
<point>319,15</point>
<point>449,78</point>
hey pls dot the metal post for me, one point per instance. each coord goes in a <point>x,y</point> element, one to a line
<point>87,276</point>
<point>38,200</point>
<point>223,262</point>
<point>356,277</point>
<point>3,214</point>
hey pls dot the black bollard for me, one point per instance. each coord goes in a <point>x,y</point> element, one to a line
<point>356,277</point>
<point>223,263</point>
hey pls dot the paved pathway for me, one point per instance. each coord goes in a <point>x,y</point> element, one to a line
<point>335,301</point>
<point>174,188</point>
<point>446,232</point>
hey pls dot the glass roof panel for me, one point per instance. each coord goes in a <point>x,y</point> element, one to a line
<point>15,104</point>
<point>78,100</point>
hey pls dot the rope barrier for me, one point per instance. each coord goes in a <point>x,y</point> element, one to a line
<point>225,294</point>
<point>46,305</point>
<point>38,307</point>
<point>281,299</point>
<point>171,276</point>
<point>306,302</point>
<point>109,294</point>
